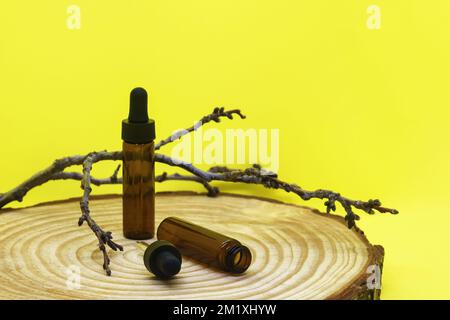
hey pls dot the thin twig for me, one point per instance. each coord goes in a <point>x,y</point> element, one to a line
<point>39,178</point>
<point>45,175</point>
<point>254,175</point>
<point>184,165</point>
<point>104,237</point>
<point>212,191</point>
<point>214,116</point>
<point>113,179</point>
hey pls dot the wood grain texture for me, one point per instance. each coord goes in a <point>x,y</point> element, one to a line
<point>298,253</point>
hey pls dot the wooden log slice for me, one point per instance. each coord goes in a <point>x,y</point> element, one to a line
<point>298,252</point>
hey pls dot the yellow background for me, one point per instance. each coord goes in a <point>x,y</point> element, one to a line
<point>363,112</point>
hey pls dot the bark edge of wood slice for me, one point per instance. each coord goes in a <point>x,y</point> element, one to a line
<point>298,252</point>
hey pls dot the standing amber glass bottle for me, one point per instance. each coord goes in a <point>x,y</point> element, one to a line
<point>205,245</point>
<point>138,133</point>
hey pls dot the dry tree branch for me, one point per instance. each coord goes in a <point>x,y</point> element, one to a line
<point>104,237</point>
<point>57,167</point>
<point>45,175</point>
<point>184,165</point>
<point>39,178</point>
<point>56,172</point>
<point>214,116</point>
<point>113,179</point>
<point>253,175</point>
<point>60,165</point>
<point>257,175</point>
<point>212,191</point>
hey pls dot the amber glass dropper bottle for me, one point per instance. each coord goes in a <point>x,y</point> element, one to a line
<point>205,245</point>
<point>138,135</point>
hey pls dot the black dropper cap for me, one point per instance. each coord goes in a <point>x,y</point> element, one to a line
<point>138,128</point>
<point>162,259</point>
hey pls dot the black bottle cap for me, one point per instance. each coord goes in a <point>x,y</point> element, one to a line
<point>162,259</point>
<point>138,128</point>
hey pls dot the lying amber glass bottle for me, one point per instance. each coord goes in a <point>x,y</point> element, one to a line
<point>205,245</point>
